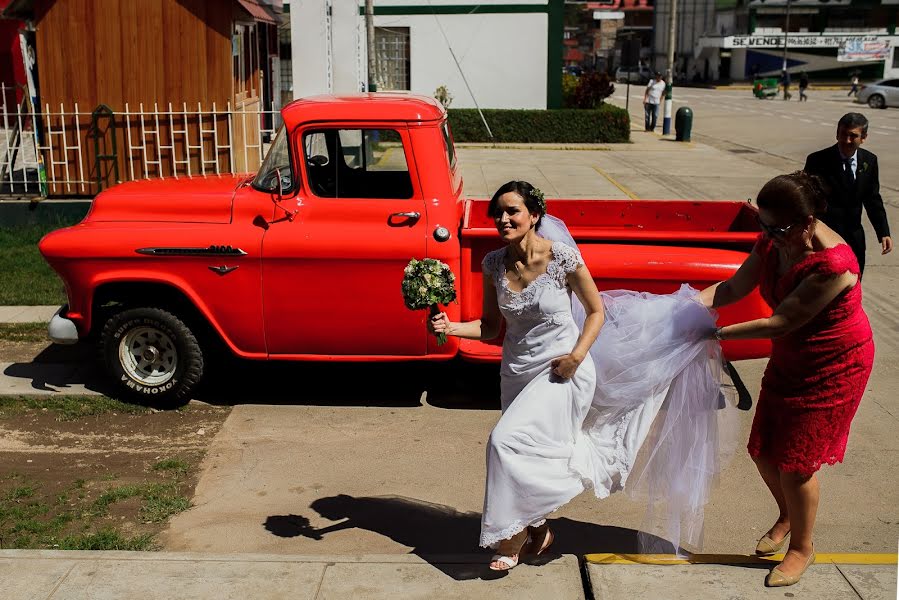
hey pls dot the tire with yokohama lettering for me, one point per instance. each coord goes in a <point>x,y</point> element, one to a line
<point>151,355</point>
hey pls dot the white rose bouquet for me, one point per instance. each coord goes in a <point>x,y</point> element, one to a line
<point>427,283</point>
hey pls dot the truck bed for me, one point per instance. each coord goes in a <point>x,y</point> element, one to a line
<point>644,245</point>
<point>719,223</point>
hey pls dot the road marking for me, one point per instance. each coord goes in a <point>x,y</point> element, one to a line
<point>734,559</point>
<point>626,191</point>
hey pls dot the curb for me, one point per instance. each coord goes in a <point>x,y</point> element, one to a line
<point>735,559</point>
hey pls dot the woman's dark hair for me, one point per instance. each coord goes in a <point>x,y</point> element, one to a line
<point>533,199</point>
<point>797,195</point>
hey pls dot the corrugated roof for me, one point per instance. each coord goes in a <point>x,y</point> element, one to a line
<point>258,11</point>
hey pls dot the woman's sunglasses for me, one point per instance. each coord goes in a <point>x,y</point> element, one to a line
<point>772,231</point>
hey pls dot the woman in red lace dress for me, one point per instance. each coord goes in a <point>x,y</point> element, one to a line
<point>820,362</point>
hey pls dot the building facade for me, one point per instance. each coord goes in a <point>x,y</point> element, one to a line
<point>828,39</point>
<point>487,53</point>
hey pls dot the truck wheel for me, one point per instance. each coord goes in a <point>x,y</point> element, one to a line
<point>151,355</point>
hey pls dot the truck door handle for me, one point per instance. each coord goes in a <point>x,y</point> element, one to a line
<point>408,216</point>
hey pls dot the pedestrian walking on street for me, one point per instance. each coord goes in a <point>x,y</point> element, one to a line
<point>821,358</point>
<point>652,97</point>
<point>577,404</point>
<point>852,174</point>
<point>785,81</point>
<point>803,85</point>
<point>853,91</point>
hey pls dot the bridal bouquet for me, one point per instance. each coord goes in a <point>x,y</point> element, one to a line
<point>427,283</point>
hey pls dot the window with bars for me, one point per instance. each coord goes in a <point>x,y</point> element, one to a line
<point>392,58</point>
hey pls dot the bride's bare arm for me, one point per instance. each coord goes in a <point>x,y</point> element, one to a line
<point>581,282</point>
<point>485,328</point>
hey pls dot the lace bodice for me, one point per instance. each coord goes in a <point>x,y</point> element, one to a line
<point>525,304</point>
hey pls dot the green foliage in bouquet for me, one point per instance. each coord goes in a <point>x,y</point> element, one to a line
<point>426,284</point>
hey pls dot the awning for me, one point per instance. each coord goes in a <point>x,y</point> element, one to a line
<point>258,11</point>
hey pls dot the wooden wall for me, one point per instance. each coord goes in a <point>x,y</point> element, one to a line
<point>150,51</point>
<point>114,51</point>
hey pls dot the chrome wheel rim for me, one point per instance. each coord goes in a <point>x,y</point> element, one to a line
<point>148,356</point>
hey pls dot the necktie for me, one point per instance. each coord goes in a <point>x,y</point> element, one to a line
<point>847,167</point>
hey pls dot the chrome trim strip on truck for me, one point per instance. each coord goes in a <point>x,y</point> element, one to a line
<point>212,250</point>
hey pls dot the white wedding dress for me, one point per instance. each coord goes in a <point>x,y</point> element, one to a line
<point>557,438</point>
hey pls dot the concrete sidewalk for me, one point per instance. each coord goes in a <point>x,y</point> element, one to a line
<point>33,574</point>
<point>27,314</point>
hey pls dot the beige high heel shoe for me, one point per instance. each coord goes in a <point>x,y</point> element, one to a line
<point>767,546</point>
<point>509,551</point>
<point>776,578</point>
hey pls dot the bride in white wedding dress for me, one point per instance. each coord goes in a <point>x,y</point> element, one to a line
<point>580,398</point>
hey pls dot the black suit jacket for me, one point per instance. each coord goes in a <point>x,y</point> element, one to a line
<point>844,205</point>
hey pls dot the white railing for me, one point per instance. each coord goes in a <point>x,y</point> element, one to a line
<point>55,151</point>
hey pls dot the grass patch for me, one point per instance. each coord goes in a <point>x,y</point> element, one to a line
<point>172,465</point>
<point>67,408</point>
<point>27,278</point>
<point>72,520</point>
<point>107,539</point>
<point>24,332</point>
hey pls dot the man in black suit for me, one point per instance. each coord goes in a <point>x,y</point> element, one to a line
<point>851,173</point>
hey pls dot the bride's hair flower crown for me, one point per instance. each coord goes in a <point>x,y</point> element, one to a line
<point>537,195</point>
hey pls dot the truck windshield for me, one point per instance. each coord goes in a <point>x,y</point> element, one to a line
<point>275,165</point>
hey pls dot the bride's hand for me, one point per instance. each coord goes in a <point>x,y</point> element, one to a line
<point>565,366</point>
<point>439,323</point>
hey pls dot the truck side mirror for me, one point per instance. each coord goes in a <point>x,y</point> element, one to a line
<point>278,194</point>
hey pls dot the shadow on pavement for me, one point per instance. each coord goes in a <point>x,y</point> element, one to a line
<point>448,385</point>
<point>230,381</point>
<point>62,368</point>
<point>443,536</point>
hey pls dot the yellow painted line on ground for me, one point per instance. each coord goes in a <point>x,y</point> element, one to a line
<point>735,559</point>
<point>626,191</point>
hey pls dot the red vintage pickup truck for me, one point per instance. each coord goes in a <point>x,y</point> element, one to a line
<point>304,259</point>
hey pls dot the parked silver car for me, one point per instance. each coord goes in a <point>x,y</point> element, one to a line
<point>881,94</point>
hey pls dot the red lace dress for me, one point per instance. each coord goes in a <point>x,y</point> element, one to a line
<point>817,374</point>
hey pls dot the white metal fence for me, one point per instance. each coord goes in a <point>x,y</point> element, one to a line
<point>68,151</point>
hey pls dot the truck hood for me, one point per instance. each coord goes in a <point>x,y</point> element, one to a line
<point>183,200</point>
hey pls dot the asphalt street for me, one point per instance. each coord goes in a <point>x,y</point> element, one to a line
<point>775,132</point>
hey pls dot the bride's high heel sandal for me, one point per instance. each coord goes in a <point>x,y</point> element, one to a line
<point>509,551</point>
<point>541,539</point>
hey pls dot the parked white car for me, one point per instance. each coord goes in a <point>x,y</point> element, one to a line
<point>633,74</point>
<point>881,94</point>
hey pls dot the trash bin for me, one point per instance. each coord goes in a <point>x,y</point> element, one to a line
<point>683,123</point>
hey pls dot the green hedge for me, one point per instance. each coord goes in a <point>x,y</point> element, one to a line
<point>607,124</point>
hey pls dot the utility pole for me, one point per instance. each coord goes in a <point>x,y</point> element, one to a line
<point>669,92</point>
<point>784,73</point>
<point>370,44</point>
<point>786,34</point>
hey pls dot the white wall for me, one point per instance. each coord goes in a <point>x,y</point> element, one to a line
<point>309,48</point>
<point>347,42</point>
<point>503,56</point>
